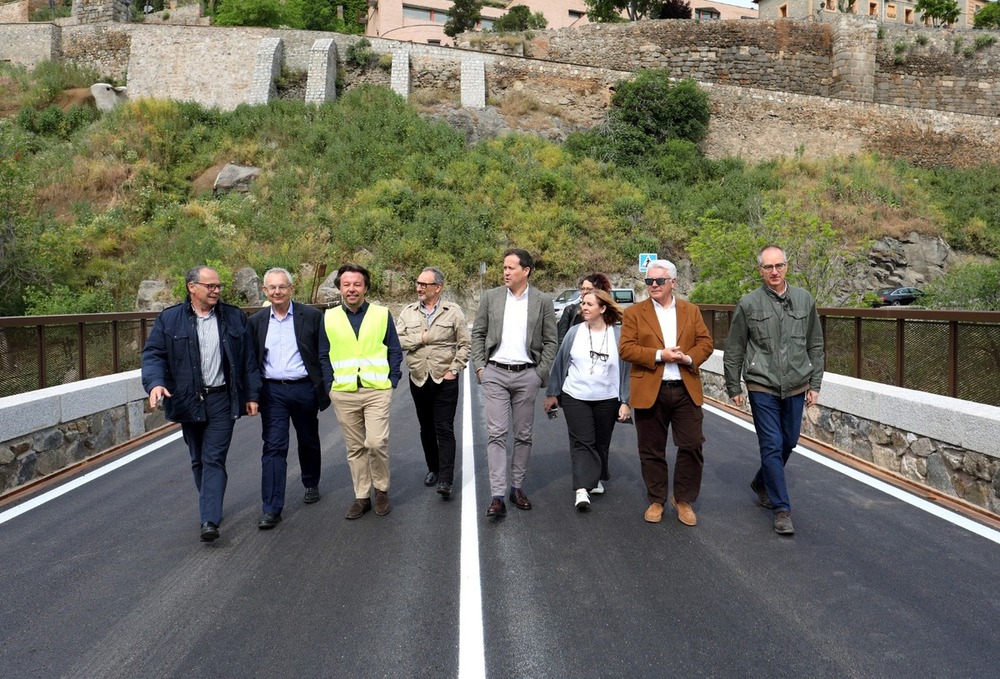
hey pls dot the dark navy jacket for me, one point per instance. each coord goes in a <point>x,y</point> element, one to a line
<point>172,359</point>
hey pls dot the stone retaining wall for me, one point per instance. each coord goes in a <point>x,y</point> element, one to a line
<point>941,442</point>
<point>14,12</point>
<point>50,429</point>
<point>29,44</point>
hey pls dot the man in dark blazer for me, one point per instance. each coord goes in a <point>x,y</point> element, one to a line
<point>294,356</point>
<point>513,346</point>
<point>665,340</point>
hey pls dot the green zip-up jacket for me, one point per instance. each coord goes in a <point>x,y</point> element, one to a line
<point>776,342</point>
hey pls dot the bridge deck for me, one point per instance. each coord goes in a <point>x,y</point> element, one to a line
<point>110,580</point>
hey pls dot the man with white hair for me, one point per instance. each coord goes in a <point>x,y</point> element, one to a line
<point>665,340</point>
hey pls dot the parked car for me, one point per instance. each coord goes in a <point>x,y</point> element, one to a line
<point>623,297</point>
<point>897,296</point>
<point>564,299</point>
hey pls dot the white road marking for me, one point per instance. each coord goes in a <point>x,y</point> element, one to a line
<point>887,488</point>
<point>85,479</point>
<point>471,649</point>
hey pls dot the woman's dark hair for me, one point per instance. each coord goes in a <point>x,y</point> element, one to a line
<point>598,280</point>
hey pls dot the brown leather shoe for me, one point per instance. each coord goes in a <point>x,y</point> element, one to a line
<point>655,512</point>
<point>360,506</point>
<point>497,508</point>
<point>519,499</point>
<point>684,512</point>
<point>382,502</point>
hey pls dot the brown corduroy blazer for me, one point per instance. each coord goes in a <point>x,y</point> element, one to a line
<point>640,340</point>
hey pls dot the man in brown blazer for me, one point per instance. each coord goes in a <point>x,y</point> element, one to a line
<point>665,340</point>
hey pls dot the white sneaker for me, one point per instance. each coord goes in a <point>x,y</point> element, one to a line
<point>582,499</point>
<point>599,490</point>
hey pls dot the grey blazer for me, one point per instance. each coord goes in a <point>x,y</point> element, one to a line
<point>541,339</point>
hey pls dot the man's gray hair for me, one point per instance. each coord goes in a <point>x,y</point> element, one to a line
<point>278,269</point>
<point>663,264</point>
<point>438,274</point>
<point>760,255</point>
<point>193,274</point>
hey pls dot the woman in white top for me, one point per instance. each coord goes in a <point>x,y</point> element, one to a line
<point>591,383</point>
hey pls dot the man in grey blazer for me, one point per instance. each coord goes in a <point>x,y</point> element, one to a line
<point>513,346</point>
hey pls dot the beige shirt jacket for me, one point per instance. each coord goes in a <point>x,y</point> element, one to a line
<point>445,347</point>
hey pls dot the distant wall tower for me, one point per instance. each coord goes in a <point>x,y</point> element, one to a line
<point>100,11</point>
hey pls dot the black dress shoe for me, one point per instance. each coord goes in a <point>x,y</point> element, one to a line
<point>209,532</point>
<point>497,508</point>
<point>519,499</point>
<point>444,489</point>
<point>312,495</point>
<point>430,479</point>
<point>269,521</point>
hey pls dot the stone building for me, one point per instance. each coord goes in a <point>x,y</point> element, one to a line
<point>884,11</point>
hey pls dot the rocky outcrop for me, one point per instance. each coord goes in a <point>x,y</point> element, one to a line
<point>913,261</point>
<point>235,177</point>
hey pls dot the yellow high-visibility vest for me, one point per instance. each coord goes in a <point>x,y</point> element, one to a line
<point>358,358</point>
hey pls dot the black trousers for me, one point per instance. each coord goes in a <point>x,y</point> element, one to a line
<point>436,405</point>
<point>590,425</point>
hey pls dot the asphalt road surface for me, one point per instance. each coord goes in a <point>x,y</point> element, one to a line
<point>104,575</point>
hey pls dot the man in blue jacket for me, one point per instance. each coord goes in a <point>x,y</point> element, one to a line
<point>200,363</point>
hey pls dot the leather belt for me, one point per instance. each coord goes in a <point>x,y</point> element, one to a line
<point>673,383</point>
<point>298,380</point>
<point>513,368</point>
<point>214,390</point>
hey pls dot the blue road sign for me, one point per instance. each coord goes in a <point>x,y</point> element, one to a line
<point>645,259</point>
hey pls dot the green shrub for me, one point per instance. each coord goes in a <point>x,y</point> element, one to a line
<point>360,54</point>
<point>268,13</point>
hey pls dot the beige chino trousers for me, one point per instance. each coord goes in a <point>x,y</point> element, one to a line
<point>364,421</point>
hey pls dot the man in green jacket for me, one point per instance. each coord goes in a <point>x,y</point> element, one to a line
<point>776,342</point>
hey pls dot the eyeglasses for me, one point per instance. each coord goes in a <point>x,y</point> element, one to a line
<point>659,281</point>
<point>421,284</point>
<point>276,288</point>
<point>211,286</point>
<point>584,291</point>
<point>780,266</point>
<point>598,356</point>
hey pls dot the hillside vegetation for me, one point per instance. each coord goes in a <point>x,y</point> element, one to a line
<point>91,205</point>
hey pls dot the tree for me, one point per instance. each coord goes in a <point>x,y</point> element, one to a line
<point>463,16</point>
<point>724,254</point>
<point>674,9</point>
<point>660,109</point>
<point>940,11</point>
<point>988,16</point>
<point>268,13</point>
<point>972,286</point>
<point>608,11</point>
<point>519,18</point>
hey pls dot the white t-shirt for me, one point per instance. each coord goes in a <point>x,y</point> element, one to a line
<point>591,377</point>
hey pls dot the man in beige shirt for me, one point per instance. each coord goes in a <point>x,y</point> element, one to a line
<point>435,336</point>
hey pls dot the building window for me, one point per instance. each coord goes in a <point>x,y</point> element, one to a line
<point>890,11</point>
<point>434,42</point>
<point>575,15</point>
<point>436,16</point>
<point>707,14</point>
<point>783,12</point>
<point>908,16</point>
<point>873,9</point>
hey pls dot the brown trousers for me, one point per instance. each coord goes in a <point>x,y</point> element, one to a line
<point>673,407</point>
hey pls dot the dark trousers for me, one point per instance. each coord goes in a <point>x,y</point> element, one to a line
<point>436,405</point>
<point>778,422</point>
<point>279,405</point>
<point>673,407</point>
<point>590,425</point>
<point>208,443</point>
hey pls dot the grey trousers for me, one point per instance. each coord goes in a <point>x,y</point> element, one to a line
<point>510,409</point>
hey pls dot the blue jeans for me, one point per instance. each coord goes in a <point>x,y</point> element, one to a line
<point>778,422</point>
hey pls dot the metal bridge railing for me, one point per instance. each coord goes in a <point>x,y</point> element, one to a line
<point>951,353</point>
